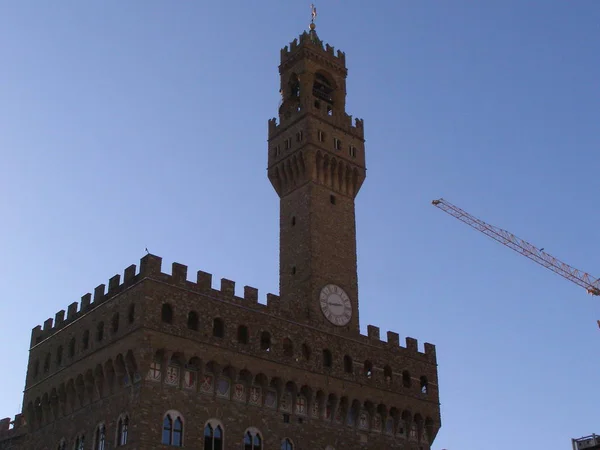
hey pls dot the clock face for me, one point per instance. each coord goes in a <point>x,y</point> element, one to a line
<point>335,305</point>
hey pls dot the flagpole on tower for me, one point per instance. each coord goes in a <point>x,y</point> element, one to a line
<point>313,16</point>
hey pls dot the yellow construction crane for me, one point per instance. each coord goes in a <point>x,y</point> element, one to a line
<point>583,279</point>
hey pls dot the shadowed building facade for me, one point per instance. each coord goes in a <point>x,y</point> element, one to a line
<point>156,360</point>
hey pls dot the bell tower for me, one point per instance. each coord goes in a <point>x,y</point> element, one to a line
<point>316,164</point>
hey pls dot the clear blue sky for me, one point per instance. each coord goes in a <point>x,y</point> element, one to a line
<point>126,125</point>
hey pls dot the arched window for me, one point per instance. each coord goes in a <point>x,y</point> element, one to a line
<point>79,443</point>
<point>348,367</point>
<point>424,385</point>
<point>172,429</point>
<point>166,313</point>
<point>122,430</point>
<point>406,379</point>
<point>72,347</point>
<point>265,341</point>
<point>327,358</point>
<point>59,352</point>
<point>86,339</point>
<point>294,85</point>
<point>218,328</point>
<point>288,347</point>
<point>36,368</point>
<point>100,331</point>
<point>131,313</point>
<point>368,369</point>
<point>100,441</point>
<point>62,445</point>
<point>305,351</point>
<point>322,88</point>
<point>252,440</point>
<point>115,322</point>
<point>287,444</point>
<point>47,363</point>
<point>387,374</point>
<point>242,334</point>
<point>213,436</point>
<point>192,322</point>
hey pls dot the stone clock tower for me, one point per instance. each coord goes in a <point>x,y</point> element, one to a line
<point>317,165</point>
<point>129,366</point>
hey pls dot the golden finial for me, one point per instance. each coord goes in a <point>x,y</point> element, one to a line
<point>313,16</point>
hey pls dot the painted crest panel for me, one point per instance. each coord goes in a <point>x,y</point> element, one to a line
<point>239,393</point>
<point>172,377</point>
<point>255,395</point>
<point>154,373</point>
<point>190,379</point>
<point>207,384</point>
<point>223,388</point>
<point>271,399</point>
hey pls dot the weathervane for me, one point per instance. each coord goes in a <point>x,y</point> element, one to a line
<point>313,16</point>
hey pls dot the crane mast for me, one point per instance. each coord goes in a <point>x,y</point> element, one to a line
<point>523,247</point>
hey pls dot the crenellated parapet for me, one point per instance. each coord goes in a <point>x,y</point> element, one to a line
<point>310,41</point>
<point>345,122</point>
<point>393,343</point>
<point>88,303</point>
<point>151,267</point>
<point>10,428</point>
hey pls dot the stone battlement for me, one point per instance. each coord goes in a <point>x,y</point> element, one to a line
<point>344,122</point>
<point>312,41</point>
<point>10,428</point>
<point>151,267</point>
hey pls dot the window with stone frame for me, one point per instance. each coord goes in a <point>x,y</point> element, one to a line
<point>86,339</point>
<point>131,313</point>
<point>166,313</point>
<point>348,365</point>
<point>79,442</point>
<point>172,433</point>
<point>122,430</point>
<point>406,381</point>
<point>218,328</point>
<point>47,363</point>
<point>368,369</point>
<point>100,438</point>
<point>327,358</point>
<point>192,321</point>
<point>115,323</point>
<point>387,374</point>
<point>265,341</point>
<point>253,440</point>
<point>287,444</point>
<point>288,347</point>
<point>424,385</point>
<point>72,344</point>
<point>100,331</point>
<point>213,435</point>
<point>59,355</point>
<point>242,334</point>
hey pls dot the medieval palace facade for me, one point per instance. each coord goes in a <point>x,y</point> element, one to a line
<point>155,361</point>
